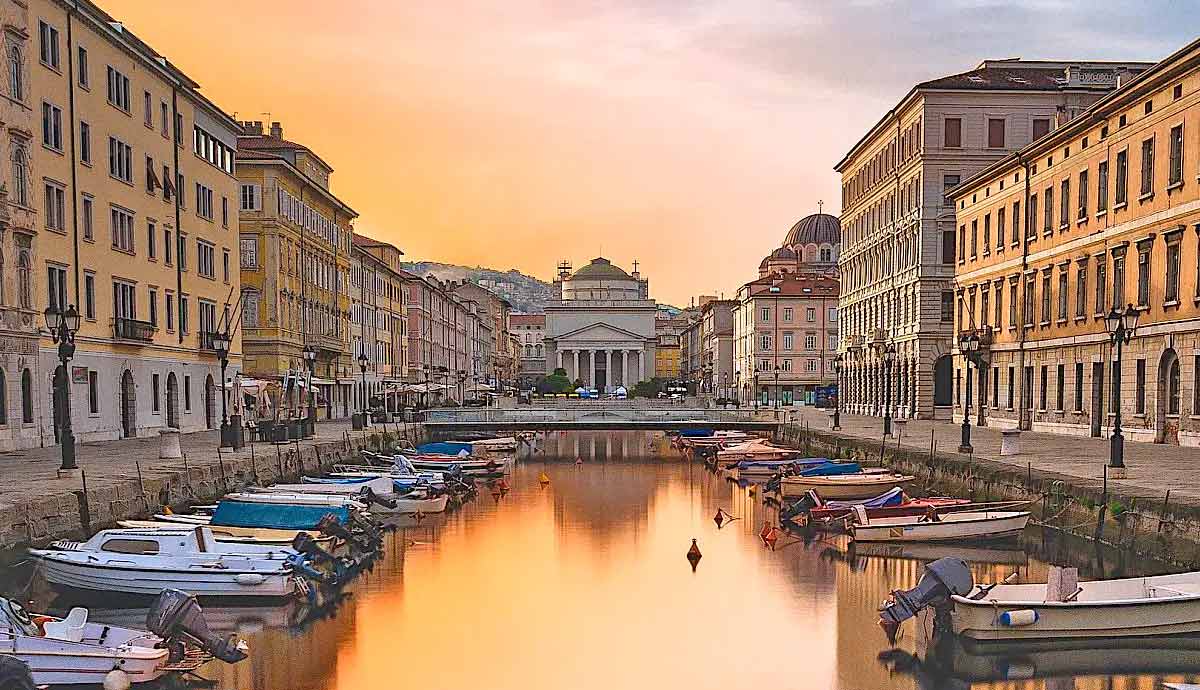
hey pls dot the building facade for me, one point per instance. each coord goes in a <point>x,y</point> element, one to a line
<point>296,242</point>
<point>716,348</point>
<point>601,330</point>
<point>899,254</point>
<point>530,330</point>
<point>378,321</point>
<point>1100,214</point>
<point>495,312</point>
<point>121,202</point>
<point>439,336</point>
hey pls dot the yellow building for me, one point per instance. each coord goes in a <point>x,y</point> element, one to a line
<point>296,239</point>
<point>666,356</point>
<point>1103,212</point>
<point>378,321</point>
<point>127,177</point>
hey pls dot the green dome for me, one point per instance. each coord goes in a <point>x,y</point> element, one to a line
<point>600,269</point>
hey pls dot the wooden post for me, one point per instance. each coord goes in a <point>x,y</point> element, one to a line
<point>142,485</point>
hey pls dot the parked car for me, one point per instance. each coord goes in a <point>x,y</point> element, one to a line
<point>725,402</point>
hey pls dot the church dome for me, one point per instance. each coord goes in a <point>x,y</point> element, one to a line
<point>781,254</point>
<point>819,228</point>
<point>600,269</point>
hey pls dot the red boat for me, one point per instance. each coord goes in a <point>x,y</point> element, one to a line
<point>910,507</point>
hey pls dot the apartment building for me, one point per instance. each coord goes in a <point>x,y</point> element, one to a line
<point>378,321</point>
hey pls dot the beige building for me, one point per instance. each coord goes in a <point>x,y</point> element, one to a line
<point>121,201</point>
<point>899,243</point>
<point>530,331</point>
<point>716,348</point>
<point>378,322</point>
<point>1101,213</point>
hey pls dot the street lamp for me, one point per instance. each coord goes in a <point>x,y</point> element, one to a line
<point>969,345</point>
<point>1120,326</point>
<point>62,327</point>
<point>462,390</point>
<point>362,367</point>
<point>310,362</point>
<point>221,342</point>
<point>837,401</point>
<point>888,354</point>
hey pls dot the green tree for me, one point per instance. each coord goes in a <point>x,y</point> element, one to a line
<point>555,383</point>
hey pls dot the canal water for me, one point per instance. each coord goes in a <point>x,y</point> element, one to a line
<point>582,583</point>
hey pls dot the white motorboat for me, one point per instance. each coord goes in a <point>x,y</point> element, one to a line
<point>844,486</point>
<point>236,535</point>
<point>937,527</point>
<point>411,504</point>
<point>348,486</point>
<point>147,561</point>
<point>296,499</point>
<point>74,650</point>
<point>501,443</point>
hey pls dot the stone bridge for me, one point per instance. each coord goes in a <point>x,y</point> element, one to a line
<point>599,416</point>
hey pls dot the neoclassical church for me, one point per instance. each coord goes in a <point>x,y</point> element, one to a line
<point>601,329</point>
<point>811,247</point>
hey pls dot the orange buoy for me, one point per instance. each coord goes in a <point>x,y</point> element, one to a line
<point>543,479</point>
<point>772,537</point>
<point>694,555</point>
<point>762,533</point>
<point>719,518</point>
<point>578,460</point>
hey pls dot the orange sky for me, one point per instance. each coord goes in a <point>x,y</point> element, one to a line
<point>689,136</point>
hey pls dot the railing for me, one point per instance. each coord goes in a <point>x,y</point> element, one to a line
<point>984,333</point>
<point>330,343</point>
<point>597,413</point>
<point>855,342</point>
<point>132,329</point>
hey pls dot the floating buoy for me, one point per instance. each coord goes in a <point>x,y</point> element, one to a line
<point>543,479</point>
<point>719,518</point>
<point>772,537</point>
<point>694,555</point>
<point>578,460</point>
<point>167,510</point>
<point>762,533</point>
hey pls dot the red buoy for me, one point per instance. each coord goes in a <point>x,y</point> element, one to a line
<point>694,555</point>
<point>719,518</point>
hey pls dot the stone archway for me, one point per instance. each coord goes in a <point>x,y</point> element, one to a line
<point>172,401</point>
<point>128,406</point>
<point>1167,403</point>
<point>210,403</point>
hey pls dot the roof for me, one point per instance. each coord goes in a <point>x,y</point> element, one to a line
<point>268,143</point>
<point>793,285</point>
<point>818,228</point>
<point>366,242</point>
<point>600,269</point>
<point>527,320</point>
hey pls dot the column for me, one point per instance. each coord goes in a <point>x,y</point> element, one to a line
<point>641,367</point>
<point>595,356</point>
<point>560,357</point>
<point>575,372</point>
<point>612,370</point>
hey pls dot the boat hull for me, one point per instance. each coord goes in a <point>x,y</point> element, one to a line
<point>61,665</point>
<point>950,528</point>
<point>413,505</point>
<point>112,576</point>
<point>978,620</point>
<point>843,487</point>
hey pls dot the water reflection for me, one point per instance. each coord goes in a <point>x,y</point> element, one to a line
<point>583,584</point>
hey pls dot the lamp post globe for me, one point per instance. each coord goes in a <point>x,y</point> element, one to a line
<point>62,326</point>
<point>221,342</point>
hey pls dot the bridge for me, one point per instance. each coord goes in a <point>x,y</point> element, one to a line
<point>597,416</point>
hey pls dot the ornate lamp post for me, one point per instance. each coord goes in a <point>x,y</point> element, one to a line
<point>837,401</point>
<point>62,327</point>
<point>310,362</point>
<point>462,389</point>
<point>969,345</point>
<point>888,354</point>
<point>757,395</point>
<point>221,342</point>
<point>1120,326</point>
<point>776,368</point>
<point>362,367</point>
<point>737,388</point>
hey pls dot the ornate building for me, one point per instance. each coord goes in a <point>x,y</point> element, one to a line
<point>811,246</point>
<point>601,330</point>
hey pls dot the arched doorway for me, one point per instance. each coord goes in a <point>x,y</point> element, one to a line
<point>210,402</point>
<point>172,401</point>
<point>943,382</point>
<point>1166,418</point>
<point>128,406</point>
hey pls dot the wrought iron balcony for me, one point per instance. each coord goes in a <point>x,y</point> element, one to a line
<point>132,329</point>
<point>327,343</point>
<point>983,333</point>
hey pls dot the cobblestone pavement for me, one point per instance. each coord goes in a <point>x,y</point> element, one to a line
<point>1151,468</point>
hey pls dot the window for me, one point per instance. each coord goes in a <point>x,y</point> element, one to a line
<point>764,343</point>
<point>810,314</point>
<point>1101,287</point>
<point>984,307</point>
<point>118,89</point>
<point>204,201</point>
<point>962,242</point>
<point>1060,388</point>
<point>1083,195</point>
<point>1143,293</point>
<point>170,312</point>
<point>947,306</point>
<point>1033,217</point>
<point>151,240</point>
<point>56,287</point>
<point>55,208</point>
<point>153,303</point>
<point>1171,293</point>
<point>81,65</point>
<point>168,251</point>
<point>1080,289</point>
<point>1012,304</point>
<point>251,197</point>
<point>1101,186</point>
<point>183,314</point>
<point>810,341</point>
<point>1140,402</point>
<point>1062,294</point>
<point>48,44</point>
<point>787,341</point>
<point>1011,387</point>
<point>764,314</point>
<point>52,126</point>
<point>1147,167</point>
<point>124,300</point>
<point>164,115</point>
<point>1176,173</point>
<point>787,313</point>
<point>1079,386</point>
<point>16,77</point>
<point>147,109</point>
<point>85,143</point>
<point>25,279</point>
<point>950,182</point>
<point>1045,384</point>
<point>224,211</point>
<point>225,264</point>
<point>1016,222</point>
<point>987,233</point>
<point>120,160</point>
<point>121,224</point>
<point>1041,127</point>
<point>1048,211</point>
<point>1047,296</point>
<point>1119,281</point>
<point>952,133</point>
<point>948,246</point>
<point>27,397</point>
<point>249,252</point>
<point>205,259</point>
<point>1000,229</point>
<point>89,296</point>
<point>94,393</point>
<point>995,133</point>
<point>181,251</point>
<point>1030,293</point>
<point>1121,193</point>
<point>154,402</point>
<point>999,301</point>
<point>187,393</point>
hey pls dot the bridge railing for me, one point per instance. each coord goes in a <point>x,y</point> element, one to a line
<point>626,414</point>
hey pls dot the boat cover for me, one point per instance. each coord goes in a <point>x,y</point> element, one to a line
<point>446,448</point>
<point>275,515</point>
<point>747,464</point>
<point>891,497</point>
<point>336,480</point>
<point>696,433</point>
<point>832,468</point>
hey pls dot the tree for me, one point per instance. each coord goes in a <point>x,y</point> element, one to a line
<point>647,389</point>
<point>555,383</point>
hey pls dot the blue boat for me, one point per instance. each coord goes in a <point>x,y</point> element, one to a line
<point>696,433</point>
<point>891,497</point>
<point>446,448</point>
<point>748,464</point>
<point>830,469</point>
<point>275,515</point>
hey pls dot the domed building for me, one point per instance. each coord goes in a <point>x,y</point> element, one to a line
<point>810,246</point>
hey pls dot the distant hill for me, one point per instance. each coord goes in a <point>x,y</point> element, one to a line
<point>526,293</point>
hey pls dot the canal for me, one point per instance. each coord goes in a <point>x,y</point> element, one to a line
<point>582,583</point>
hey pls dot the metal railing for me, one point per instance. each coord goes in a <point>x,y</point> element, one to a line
<point>593,414</point>
<point>132,329</point>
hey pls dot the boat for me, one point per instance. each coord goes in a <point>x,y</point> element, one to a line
<point>754,452</point>
<point>76,651</point>
<point>894,503</point>
<point>1058,609</point>
<point>991,554</point>
<point>147,561</point>
<point>229,534</point>
<point>453,464</point>
<point>844,486</point>
<point>937,526</point>
<point>296,499</point>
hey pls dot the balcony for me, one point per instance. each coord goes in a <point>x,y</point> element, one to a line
<point>326,343</point>
<point>133,330</point>
<point>855,342</point>
<point>984,333</point>
<point>878,336</point>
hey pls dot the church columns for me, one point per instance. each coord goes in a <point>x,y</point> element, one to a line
<point>560,358</point>
<point>612,370</point>
<point>641,367</point>
<point>575,372</point>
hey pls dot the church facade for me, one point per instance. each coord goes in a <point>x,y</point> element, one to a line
<point>601,329</point>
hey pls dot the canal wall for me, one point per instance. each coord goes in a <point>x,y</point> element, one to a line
<point>1159,527</point>
<point>55,513</point>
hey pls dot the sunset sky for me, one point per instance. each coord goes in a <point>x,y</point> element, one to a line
<point>687,135</point>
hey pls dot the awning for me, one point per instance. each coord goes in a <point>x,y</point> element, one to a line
<point>318,381</point>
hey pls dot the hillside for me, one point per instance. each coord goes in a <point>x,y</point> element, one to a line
<point>526,293</point>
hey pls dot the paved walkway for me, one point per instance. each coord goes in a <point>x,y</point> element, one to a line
<point>1151,468</point>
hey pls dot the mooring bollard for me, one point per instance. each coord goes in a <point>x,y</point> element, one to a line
<point>168,444</point>
<point>1010,442</point>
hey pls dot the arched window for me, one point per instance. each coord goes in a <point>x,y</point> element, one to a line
<point>26,397</point>
<point>24,280</point>
<point>20,173</point>
<point>1173,388</point>
<point>16,74</point>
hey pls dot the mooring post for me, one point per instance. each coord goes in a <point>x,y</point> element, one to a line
<point>221,465</point>
<point>142,485</point>
<point>1099,534</point>
<point>187,477</point>
<point>85,510</point>
<point>279,459</point>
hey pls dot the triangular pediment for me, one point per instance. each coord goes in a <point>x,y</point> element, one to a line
<point>599,331</point>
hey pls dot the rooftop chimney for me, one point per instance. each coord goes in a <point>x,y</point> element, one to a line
<point>251,128</point>
<point>276,130</point>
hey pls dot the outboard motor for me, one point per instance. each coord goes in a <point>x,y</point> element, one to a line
<point>306,545</point>
<point>943,578</point>
<point>801,506</point>
<point>176,615</point>
<point>372,498</point>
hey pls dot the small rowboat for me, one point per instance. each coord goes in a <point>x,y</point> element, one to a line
<point>844,486</point>
<point>908,508</point>
<point>965,525</point>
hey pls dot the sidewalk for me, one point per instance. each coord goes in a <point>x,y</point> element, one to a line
<point>1152,468</point>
